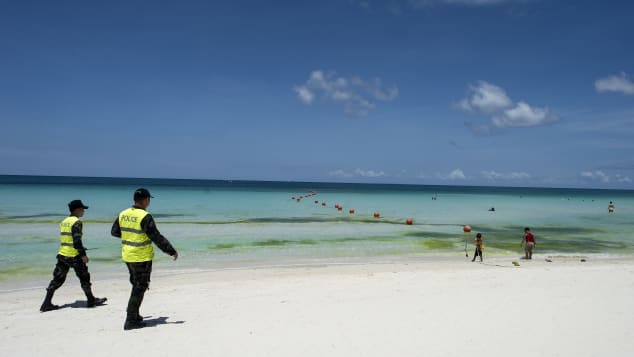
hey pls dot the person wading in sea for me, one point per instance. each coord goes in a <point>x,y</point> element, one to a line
<point>529,243</point>
<point>479,244</point>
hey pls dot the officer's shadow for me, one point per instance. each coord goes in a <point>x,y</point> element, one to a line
<point>80,304</point>
<point>153,322</point>
<point>149,321</point>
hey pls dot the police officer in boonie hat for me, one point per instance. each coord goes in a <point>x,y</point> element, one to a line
<point>71,254</point>
<point>137,230</point>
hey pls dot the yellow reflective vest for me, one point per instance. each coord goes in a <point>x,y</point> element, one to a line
<point>136,246</point>
<point>66,247</point>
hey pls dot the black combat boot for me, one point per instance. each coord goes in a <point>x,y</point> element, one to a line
<point>91,300</point>
<point>95,301</point>
<point>133,321</point>
<point>47,305</point>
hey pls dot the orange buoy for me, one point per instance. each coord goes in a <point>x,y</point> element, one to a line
<point>409,221</point>
<point>466,229</point>
<point>351,211</point>
<point>377,215</point>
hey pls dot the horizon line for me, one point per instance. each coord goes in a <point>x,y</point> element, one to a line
<point>300,182</point>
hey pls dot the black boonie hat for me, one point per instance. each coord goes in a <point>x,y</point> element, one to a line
<point>75,204</point>
<point>141,193</point>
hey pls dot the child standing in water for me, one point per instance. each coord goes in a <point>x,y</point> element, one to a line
<point>478,246</point>
<point>529,243</point>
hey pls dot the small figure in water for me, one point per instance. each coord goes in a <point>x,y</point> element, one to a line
<point>479,244</point>
<point>492,209</point>
<point>529,243</point>
<point>611,207</point>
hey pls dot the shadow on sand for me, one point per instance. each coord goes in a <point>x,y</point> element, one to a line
<point>153,322</point>
<point>80,304</point>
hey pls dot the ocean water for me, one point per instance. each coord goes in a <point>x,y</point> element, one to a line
<point>216,224</point>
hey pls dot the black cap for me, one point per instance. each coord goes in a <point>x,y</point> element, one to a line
<point>141,193</point>
<point>75,204</point>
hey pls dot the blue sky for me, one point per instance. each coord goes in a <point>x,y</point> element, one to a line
<point>457,92</point>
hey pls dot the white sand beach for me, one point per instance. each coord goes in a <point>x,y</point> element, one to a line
<point>430,307</point>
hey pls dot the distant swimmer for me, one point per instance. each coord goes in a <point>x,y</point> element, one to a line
<point>611,207</point>
<point>492,209</point>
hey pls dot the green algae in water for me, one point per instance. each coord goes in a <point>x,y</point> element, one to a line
<point>106,259</point>
<point>438,244</point>
<point>23,271</point>
<point>223,246</point>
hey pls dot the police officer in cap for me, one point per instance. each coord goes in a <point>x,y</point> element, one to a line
<point>71,254</point>
<point>137,230</point>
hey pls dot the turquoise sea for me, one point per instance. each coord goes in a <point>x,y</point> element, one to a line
<point>224,224</point>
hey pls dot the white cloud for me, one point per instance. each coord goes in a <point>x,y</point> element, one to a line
<point>596,175</point>
<point>305,94</point>
<point>456,174</point>
<point>623,179</point>
<point>355,94</point>
<point>357,173</point>
<point>620,83</point>
<point>485,97</point>
<point>493,175</point>
<point>601,176</point>
<point>369,173</point>
<point>340,173</point>
<point>523,115</point>
<point>492,100</point>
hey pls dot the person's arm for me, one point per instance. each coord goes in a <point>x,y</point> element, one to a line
<point>77,232</point>
<point>115,231</point>
<point>149,227</point>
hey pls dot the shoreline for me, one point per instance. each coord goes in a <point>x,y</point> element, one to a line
<point>163,266</point>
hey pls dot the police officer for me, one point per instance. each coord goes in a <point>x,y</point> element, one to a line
<point>137,230</point>
<point>71,254</point>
